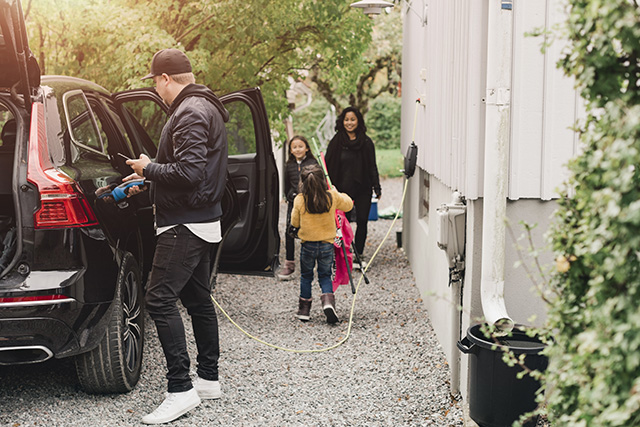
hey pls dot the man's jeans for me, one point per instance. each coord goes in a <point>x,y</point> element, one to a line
<point>181,269</point>
<point>309,254</point>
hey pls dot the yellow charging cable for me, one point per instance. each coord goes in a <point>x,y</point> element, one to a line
<point>353,302</point>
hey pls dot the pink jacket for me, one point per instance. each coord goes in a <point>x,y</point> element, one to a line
<point>342,274</point>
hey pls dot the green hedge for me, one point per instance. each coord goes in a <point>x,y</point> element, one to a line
<point>594,373</point>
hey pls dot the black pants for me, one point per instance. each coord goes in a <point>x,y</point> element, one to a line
<point>360,212</point>
<point>181,270</point>
<point>289,242</point>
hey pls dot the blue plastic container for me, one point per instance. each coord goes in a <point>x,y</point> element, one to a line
<point>373,212</point>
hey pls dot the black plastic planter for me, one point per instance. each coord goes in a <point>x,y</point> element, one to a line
<point>497,397</point>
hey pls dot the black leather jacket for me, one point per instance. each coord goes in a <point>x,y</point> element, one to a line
<point>189,174</point>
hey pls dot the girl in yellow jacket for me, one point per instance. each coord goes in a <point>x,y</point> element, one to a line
<point>314,215</point>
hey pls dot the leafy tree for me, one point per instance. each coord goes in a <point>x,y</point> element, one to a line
<point>594,375</point>
<point>371,85</point>
<point>232,43</point>
<point>365,80</point>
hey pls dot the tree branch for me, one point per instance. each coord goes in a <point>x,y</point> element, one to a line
<point>324,87</point>
<point>193,27</point>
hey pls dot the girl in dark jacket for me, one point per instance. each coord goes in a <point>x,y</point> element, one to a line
<point>351,163</point>
<point>299,156</point>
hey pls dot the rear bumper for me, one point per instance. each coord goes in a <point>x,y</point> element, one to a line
<point>30,330</point>
<point>29,340</point>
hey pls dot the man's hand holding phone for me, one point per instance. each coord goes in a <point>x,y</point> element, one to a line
<point>138,165</point>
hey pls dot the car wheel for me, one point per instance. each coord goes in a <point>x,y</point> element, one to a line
<point>114,365</point>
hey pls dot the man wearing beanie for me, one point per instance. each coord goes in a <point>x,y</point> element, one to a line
<point>187,183</point>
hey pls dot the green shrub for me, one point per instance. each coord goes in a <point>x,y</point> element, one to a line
<point>383,121</point>
<point>594,373</point>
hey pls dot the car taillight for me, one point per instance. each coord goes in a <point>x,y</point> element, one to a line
<point>39,298</point>
<point>62,205</point>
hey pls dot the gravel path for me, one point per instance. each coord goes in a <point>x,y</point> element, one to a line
<point>390,372</point>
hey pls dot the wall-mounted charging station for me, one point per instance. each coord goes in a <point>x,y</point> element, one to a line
<point>451,234</point>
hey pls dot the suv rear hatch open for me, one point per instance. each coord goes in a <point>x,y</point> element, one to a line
<point>19,69</point>
<point>19,78</point>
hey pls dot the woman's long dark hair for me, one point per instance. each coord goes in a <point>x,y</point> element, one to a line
<point>340,120</point>
<point>314,189</point>
<point>292,158</point>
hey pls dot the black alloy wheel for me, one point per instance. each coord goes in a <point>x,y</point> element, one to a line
<point>133,321</point>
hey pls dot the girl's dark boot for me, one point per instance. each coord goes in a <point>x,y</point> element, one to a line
<point>329,307</point>
<point>304,308</point>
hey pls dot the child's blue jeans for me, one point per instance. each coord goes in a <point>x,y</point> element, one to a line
<point>322,252</point>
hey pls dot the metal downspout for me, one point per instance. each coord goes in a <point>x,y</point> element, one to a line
<point>496,164</point>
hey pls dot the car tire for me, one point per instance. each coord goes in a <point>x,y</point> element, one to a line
<point>114,365</point>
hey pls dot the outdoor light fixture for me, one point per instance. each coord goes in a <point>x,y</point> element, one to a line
<point>372,7</point>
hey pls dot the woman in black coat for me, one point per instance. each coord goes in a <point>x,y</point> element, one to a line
<point>351,163</point>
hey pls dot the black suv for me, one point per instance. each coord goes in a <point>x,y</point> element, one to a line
<point>73,263</point>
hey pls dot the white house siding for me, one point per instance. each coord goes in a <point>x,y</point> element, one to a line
<point>450,51</point>
<point>443,67</point>
<point>444,64</point>
<point>544,106</point>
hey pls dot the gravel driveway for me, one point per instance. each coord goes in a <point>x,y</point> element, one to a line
<point>390,372</point>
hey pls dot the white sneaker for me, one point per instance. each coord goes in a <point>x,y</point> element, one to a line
<point>174,406</point>
<point>207,389</point>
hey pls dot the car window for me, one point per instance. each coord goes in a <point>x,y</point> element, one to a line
<point>241,134</point>
<point>83,128</point>
<point>110,108</point>
<point>100,121</point>
<point>149,121</point>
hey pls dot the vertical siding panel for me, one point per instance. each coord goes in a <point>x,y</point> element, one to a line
<point>560,109</point>
<point>440,84</point>
<point>458,87</point>
<point>476,78</point>
<point>526,102</point>
<point>425,114</point>
<point>432,96</point>
<point>465,100</point>
<point>447,120</point>
<point>438,109</point>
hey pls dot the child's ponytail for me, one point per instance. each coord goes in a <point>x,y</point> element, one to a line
<point>314,188</point>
